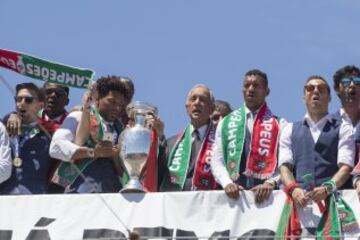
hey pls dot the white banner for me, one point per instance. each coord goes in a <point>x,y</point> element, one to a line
<point>195,215</point>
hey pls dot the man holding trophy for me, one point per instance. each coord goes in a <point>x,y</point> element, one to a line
<point>189,153</point>
<point>88,166</point>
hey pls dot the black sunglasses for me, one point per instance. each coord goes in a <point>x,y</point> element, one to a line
<point>27,99</point>
<point>58,92</point>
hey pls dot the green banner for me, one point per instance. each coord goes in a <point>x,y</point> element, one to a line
<point>41,69</point>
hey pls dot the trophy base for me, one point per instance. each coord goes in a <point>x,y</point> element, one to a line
<point>133,186</point>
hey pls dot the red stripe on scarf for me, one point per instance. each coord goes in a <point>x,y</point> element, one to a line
<point>151,174</point>
<point>262,159</point>
<point>203,178</point>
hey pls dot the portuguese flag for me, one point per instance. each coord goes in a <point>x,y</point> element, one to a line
<point>41,69</point>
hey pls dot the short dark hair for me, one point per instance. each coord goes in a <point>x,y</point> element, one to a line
<point>224,104</point>
<point>318,77</point>
<point>345,71</point>
<point>129,86</point>
<point>110,83</point>
<point>31,86</point>
<point>65,88</point>
<point>257,72</point>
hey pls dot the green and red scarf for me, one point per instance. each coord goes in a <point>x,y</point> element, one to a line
<point>262,159</point>
<point>289,226</point>
<point>338,217</point>
<point>179,159</point>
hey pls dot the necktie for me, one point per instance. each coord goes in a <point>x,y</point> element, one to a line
<point>195,148</point>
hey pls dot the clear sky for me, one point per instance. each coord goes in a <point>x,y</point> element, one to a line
<point>166,46</point>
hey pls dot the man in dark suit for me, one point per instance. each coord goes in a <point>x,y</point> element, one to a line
<point>188,154</point>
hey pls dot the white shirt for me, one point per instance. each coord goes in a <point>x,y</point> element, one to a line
<point>346,145</point>
<point>218,166</point>
<point>202,132</point>
<point>5,154</point>
<point>62,146</point>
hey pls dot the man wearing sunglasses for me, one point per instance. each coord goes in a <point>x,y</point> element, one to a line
<point>245,152</point>
<point>53,114</point>
<point>222,108</point>
<point>317,153</point>
<point>30,149</point>
<point>347,87</point>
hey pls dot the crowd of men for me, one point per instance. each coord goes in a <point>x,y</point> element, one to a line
<point>46,149</point>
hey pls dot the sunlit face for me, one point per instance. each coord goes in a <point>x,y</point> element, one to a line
<point>316,96</point>
<point>199,106</point>
<point>111,105</point>
<point>27,105</point>
<point>349,90</point>
<point>254,91</point>
<point>56,100</point>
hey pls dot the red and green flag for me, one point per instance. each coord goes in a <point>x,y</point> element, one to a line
<point>41,69</point>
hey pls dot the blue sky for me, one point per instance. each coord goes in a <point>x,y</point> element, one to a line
<point>166,47</point>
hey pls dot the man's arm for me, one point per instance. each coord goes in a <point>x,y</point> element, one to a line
<point>62,146</point>
<point>5,155</point>
<point>346,155</point>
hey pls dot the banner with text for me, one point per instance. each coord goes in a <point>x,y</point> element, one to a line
<point>45,70</point>
<point>187,215</point>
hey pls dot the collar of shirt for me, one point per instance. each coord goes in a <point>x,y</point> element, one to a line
<point>319,125</point>
<point>107,126</point>
<point>250,114</point>
<point>202,131</point>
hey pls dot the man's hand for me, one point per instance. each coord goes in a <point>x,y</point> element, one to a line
<point>262,192</point>
<point>103,149</point>
<point>81,153</point>
<point>299,197</point>
<point>13,125</point>
<point>157,124</point>
<point>319,194</point>
<point>232,190</point>
<point>357,187</point>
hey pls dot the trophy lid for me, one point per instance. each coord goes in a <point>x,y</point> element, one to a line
<point>141,107</point>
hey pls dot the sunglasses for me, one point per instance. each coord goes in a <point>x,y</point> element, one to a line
<point>322,88</point>
<point>27,99</point>
<point>58,92</point>
<point>347,81</point>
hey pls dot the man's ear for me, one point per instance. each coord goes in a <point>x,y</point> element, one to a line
<point>67,101</point>
<point>267,91</point>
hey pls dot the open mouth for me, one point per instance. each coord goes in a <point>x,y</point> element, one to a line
<point>315,98</point>
<point>22,112</point>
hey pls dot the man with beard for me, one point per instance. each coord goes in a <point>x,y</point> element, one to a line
<point>188,154</point>
<point>30,149</point>
<point>347,87</point>
<point>245,153</point>
<point>90,168</point>
<point>52,116</point>
<point>321,146</point>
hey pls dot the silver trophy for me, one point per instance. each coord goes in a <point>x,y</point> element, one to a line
<point>134,144</point>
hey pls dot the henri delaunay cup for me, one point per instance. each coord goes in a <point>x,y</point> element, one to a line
<point>134,144</point>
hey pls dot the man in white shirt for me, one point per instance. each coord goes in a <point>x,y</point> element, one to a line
<point>90,168</point>
<point>245,152</point>
<point>316,154</point>
<point>347,87</point>
<point>5,154</point>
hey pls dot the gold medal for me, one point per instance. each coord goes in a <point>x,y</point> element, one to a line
<point>17,162</point>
